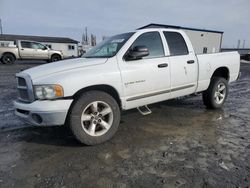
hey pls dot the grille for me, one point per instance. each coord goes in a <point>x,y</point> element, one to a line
<point>21,81</point>
<point>23,95</point>
<point>24,87</point>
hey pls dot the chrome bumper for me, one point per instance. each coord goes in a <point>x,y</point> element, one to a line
<point>43,113</point>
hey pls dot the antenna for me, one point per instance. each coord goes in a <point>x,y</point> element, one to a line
<point>243,46</point>
<point>1,27</point>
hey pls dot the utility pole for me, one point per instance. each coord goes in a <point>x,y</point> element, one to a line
<point>86,35</point>
<point>238,46</point>
<point>83,37</point>
<point>243,46</point>
<point>93,40</point>
<point>1,27</point>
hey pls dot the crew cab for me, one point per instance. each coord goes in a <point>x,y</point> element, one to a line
<point>28,50</point>
<point>129,70</point>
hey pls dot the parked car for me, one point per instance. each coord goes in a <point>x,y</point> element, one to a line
<point>129,70</point>
<point>28,50</point>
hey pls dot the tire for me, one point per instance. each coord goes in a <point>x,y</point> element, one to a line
<point>55,57</point>
<point>89,124</point>
<point>8,58</point>
<point>214,97</point>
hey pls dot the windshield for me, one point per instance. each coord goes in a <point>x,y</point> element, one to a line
<point>109,47</point>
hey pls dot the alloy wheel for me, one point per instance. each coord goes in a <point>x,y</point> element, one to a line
<point>97,118</point>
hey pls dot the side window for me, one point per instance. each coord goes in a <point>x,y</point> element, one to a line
<point>176,43</point>
<point>152,40</point>
<point>25,44</point>
<point>71,47</point>
<point>49,46</point>
<point>204,50</point>
<point>37,46</point>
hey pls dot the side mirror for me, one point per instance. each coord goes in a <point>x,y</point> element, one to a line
<point>45,48</point>
<point>137,52</point>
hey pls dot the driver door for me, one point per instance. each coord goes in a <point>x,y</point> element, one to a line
<point>40,51</point>
<point>146,80</point>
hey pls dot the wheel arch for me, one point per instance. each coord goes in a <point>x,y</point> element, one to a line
<point>56,54</point>
<point>101,87</point>
<point>9,53</point>
<point>221,72</point>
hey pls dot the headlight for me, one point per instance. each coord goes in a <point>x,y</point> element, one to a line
<point>48,91</point>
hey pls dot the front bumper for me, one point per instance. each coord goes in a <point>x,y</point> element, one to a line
<point>43,113</point>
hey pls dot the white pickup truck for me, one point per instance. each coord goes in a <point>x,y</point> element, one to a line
<point>28,50</point>
<point>126,71</point>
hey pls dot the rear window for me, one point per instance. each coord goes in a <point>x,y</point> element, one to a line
<point>176,43</point>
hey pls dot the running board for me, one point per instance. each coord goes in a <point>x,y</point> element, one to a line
<point>144,110</point>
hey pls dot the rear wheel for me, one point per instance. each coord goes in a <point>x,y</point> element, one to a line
<point>94,117</point>
<point>216,94</point>
<point>8,58</point>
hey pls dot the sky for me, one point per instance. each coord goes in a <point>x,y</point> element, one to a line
<point>68,18</point>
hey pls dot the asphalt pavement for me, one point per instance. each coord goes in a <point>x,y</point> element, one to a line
<point>181,144</point>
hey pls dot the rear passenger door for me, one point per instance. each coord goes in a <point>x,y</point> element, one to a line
<point>184,67</point>
<point>25,50</point>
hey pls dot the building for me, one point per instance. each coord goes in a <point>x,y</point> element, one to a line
<point>67,46</point>
<point>203,41</point>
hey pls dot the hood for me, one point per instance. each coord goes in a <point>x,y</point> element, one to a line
<point>60,66</point>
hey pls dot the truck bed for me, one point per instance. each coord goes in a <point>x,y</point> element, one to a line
<point>208,63</point>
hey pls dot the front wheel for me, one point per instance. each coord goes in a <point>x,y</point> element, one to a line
<point>94,117</point>
<point>214,97</point>
<point>55,58</point>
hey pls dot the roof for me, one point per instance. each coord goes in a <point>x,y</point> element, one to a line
<point>5,37</point>
<point>153,25</point>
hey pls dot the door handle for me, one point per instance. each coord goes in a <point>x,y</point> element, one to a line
<point>190,61</point>
<point>162,65</point>
<point>21,48</point>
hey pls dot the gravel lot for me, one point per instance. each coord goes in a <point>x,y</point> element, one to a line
<point>181,144</point>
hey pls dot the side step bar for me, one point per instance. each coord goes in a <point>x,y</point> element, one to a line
<point>144,110</point>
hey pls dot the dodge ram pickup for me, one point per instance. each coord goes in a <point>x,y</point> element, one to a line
<point>126,71</point>
<point>28,50</point>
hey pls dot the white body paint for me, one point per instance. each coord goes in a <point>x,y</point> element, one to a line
<point>138,82</point>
